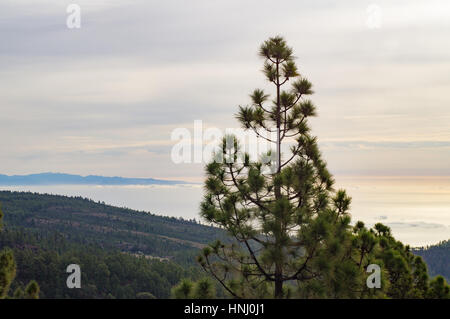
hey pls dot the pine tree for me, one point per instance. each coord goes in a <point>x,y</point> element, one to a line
<point>204,289</point>
<point>439,289</point>
<point>183,290</point>
<point>32,290</point>
<point>287,221</point>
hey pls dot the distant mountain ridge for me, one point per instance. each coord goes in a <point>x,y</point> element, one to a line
<point>70,179</point>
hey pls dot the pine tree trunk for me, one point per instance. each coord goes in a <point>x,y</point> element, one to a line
<point>278,265</point>
<point>278,283</point>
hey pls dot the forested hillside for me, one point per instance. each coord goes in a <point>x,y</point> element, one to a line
<point>122,253</point>
<point>437,258</point>
<point>84,221</point>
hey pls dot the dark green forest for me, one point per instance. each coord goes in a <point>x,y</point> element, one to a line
<point>105,273</point>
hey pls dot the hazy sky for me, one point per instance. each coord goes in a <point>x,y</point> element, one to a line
<point>104,99</point>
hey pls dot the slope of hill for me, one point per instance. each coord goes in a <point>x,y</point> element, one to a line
<point>122,253</point>
<point>66,179</point>
<point>85,221</point>
<point>437,258</point>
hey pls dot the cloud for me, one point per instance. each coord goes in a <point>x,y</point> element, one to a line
<point>417,225</point>
<point>398,145</point>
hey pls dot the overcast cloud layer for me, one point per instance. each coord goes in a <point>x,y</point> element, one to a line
<point>105,98</point>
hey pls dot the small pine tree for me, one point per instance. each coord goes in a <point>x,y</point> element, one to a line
<point>204,289</point>
<point>439,289</point>
<point>32,290</point>
<point>183,290</point>
<point>18,293</point>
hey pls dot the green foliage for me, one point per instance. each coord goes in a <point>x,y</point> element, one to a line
<point>404,274</point>
<point>183,290</point>
<point>204,289</point>
<point>32,290</point>
<point>18,293</point>
<point>439,289</point>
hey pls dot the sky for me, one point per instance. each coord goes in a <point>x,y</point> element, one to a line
<point>104,98</point>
